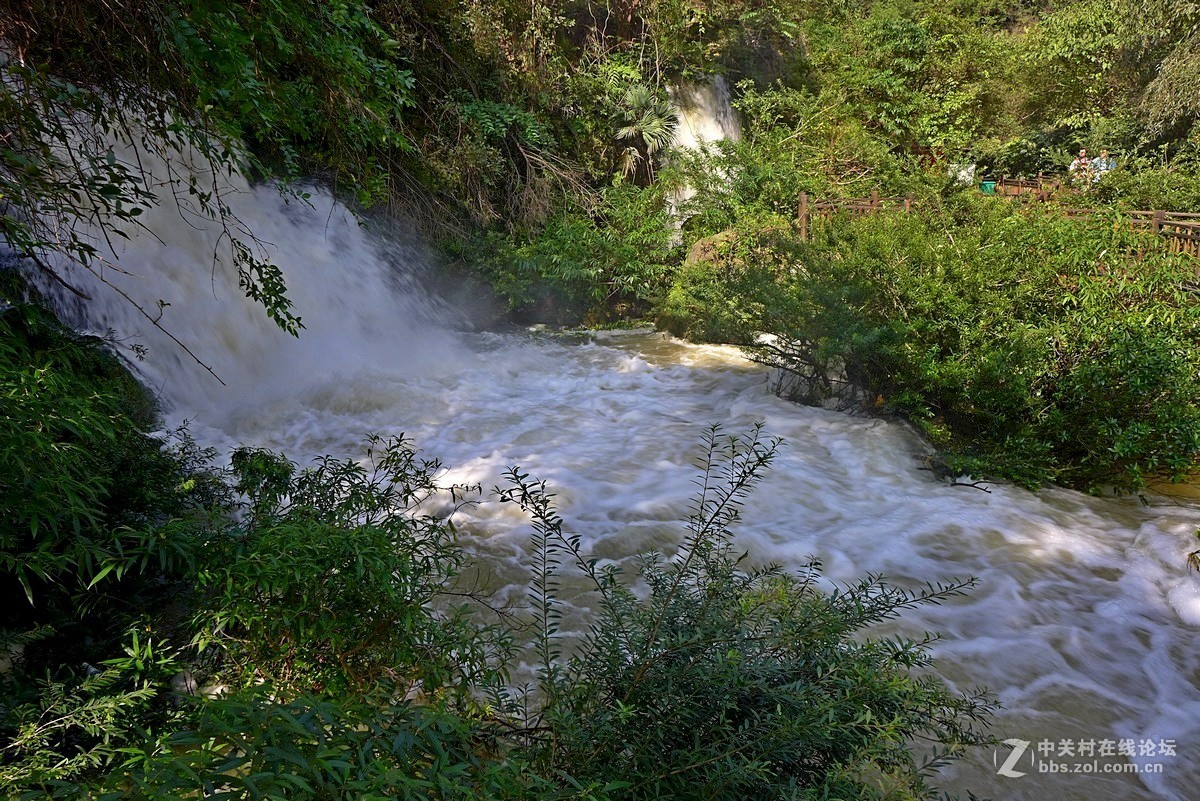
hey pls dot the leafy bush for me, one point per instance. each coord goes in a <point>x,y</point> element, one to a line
<point>1174,188</point>
<point>304,85</point>
<point>100,525</point>
<point>80,726</point>
<point>733,682</point>
<point>591,265</point>
<point>1026,346</point>
<point>252,746</point>
<point>727,287</point>
<point>331,583</point>
<point>86,497</point>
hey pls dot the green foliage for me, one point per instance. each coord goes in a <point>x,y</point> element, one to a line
<point>496,121</point>
<point>645,121</point>
<point>1074,61</point>
<point>85,493</point>
<point>1084,64</point>
<point>728,285</point>
<point>615,259</point>
<point>1173,187</point>
<point>733,682</point>
<point>1026,346</point>
<point>252,746</point>
<point>1167,51</point>
<point>925,76</point>
<point>303,84</point>
<point>1044,152</point>
<point>98,523</point>
<point>331,584</point>
<point>81,726</point>
<point>690,37</point>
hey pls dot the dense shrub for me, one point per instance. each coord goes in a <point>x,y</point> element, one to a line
<point>1172,188</point>
<point>86,496</point>
<point>732,682</point>
<point>252,746</point>
<point>612,260</point>
<point>1025,345</point>
<point>329,584</point>
<point>100,528</point>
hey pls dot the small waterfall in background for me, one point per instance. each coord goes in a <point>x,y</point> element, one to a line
<point>706,116</point>
<point>706,113</point>
<point>1086,618</point>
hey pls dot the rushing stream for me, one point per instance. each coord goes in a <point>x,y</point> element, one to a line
<point>1085,619</point>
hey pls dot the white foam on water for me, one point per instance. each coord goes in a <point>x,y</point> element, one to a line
<point>1085,619</point>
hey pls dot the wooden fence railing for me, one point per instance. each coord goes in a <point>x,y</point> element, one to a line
<point>1040,188</point>
<point>1181,229</point>
<point>853,206</point>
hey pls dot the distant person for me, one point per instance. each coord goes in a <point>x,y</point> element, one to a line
<point>1102,164</point>
<point>1080,171</point>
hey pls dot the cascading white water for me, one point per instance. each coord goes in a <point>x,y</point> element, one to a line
<point>706,113</point>
<point>346,289</point>
<point>1085,620</point>
<point>705,116</point>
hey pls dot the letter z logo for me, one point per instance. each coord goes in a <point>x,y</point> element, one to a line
<point>1018,748</point>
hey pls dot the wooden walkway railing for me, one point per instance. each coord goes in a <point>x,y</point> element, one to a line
<point>1181,229</point>
<point>1040,188</point>
<point>853,206</point>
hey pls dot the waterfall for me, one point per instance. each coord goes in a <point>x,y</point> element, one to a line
<point>706,113</point>
<point>705,116</point>
<point>359,298</point>
<point>1085,621</point>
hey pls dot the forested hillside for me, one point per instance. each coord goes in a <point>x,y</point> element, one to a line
<point>509,128</point>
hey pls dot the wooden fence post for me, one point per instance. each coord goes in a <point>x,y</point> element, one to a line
<point>875,200</point>
<point>1157,224</point>
<point>802,216</point>
<point>908,202</point>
